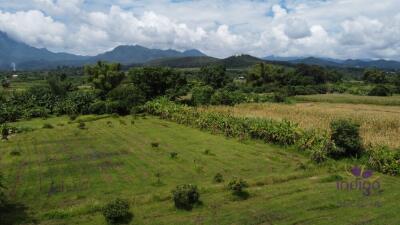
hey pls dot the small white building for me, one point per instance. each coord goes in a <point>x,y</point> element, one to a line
<point>15,76</point>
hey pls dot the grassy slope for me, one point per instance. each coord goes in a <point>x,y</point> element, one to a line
<point>64,175</point>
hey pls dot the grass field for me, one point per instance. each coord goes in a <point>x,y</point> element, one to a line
<point>65,175</point>
<point>351,99</point>
<point>380,125</point>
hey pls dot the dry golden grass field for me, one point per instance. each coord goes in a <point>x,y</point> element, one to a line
<point>380,125</point>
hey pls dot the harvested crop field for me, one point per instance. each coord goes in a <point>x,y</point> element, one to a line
<point>380,125</point>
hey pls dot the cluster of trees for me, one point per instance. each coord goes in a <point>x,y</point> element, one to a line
<point>304,79</point>
<point>385,83</point>
<point>113,91</point>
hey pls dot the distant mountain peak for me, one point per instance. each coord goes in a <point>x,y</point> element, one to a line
<point>130,54</point>
<point>193,52</point>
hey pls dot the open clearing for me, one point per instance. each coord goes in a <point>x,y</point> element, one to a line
<point>380,125</point>
<point>64,175</point>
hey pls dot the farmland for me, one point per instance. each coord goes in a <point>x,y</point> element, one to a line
<point>350,99</point>
<point>65,175</point>
<point>380,125</point>
<point>197,146</point>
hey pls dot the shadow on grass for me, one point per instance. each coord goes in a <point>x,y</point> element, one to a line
<point>15,213</point>
<point>242,195</point>
<point>121,220</point>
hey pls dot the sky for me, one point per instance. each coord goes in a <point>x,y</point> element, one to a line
<point>340,29</point>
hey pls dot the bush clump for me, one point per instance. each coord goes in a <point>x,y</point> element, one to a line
<point>186,196</point>
<point>346,138</point>
<point>279,97</point>
<point>173,155</point>
<point>218,178</point>
<point>238,186</point>
<point>318,144</point>
<point>384,160</point>
<point>201,95</point>
<point>15,153</point>
<point>5,131</point>
<point>155,144</point>
<point>117,212</point>
<point>381,90</point>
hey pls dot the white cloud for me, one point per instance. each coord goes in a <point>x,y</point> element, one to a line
<point>330,28</point>
<point>59,7</point>
<point>297,28</point>
<point>34,28</point>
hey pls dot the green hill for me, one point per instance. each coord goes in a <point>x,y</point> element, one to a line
<point>184,62</point>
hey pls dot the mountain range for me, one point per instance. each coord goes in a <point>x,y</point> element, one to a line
<point>349,63</point>
<point>26,57</point>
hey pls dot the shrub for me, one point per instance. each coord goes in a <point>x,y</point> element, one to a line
<point>186,196</point>
<point>5,83</point>
<point>318,155</point>
<point>218,178</point>
<point>15,153</point>
<point>47,126</point>
<point>225,97</point>
<point>98,107</point>
<point>380,90</point>
<point>117,212</point>
<point>155,144</point>
<point>319,145</point>
<point>202,95</point>
<point>36,112</point>
<point>384,160</point>
<point>237,186</point>
<point>135,110</point>
<point>5,131</point>
<point>173,155</point>
<point>346,137</point>
<point>73,116</point>
<point>279,97</point>
<point>158,176</point>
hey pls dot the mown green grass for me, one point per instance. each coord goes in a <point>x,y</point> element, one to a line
<point>65,175</point>
<point>351,99</point>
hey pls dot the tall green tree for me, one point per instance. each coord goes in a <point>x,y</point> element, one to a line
<point>262,73</point>
<point>156,81</point>
<point>105,76</point>
<point>309,75</point>
<point>374,76</point>
<point>215,76</point>
<point>58,84</point>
